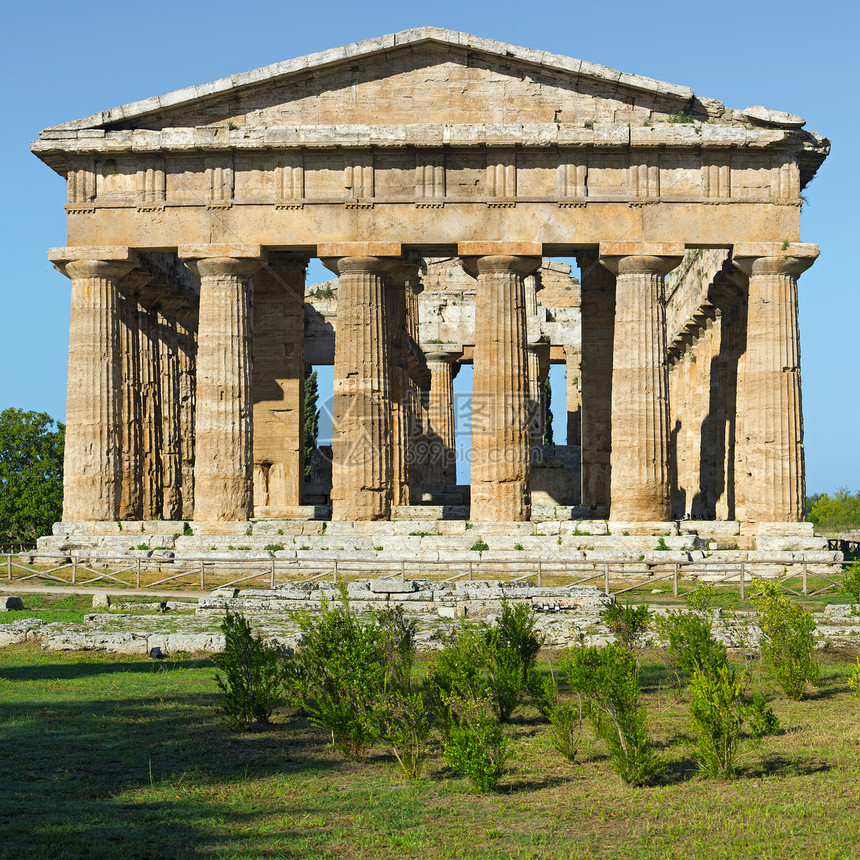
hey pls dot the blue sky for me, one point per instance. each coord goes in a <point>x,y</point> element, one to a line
<point>62,61</point>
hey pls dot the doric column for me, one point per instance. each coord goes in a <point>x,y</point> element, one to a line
<point>131,500</point>
<point>639,482</point>
<point>168,397</point>
<point>223,437</point>
<point>397,286</point>
<point>92,473</point>
<point>279,368</point>
<point>440,436</point>
<point>598,322</point>
<point>536,399</point>
<point>361,409</point>
<point>149,375</point>
<point>187,332</point>
<point>774,480</point>
<point>500,432</point>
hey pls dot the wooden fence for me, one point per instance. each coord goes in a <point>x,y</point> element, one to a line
<point>806,577</point>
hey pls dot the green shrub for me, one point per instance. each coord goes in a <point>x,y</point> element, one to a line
<point>763,720</point>
<point>607,679</point>
<point>252,683</point>
<point>690,646</point>
<point>702,598</point>
<point>854,680</point>
<point>788,640</point>
<point>627,623</point>
<point>851,582</point>
<point>456,673</point>
<point>339,675</point>
<point>406,726</point>
<point>717,711</point>
<point>475,745</point>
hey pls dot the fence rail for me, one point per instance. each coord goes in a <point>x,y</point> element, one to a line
<point>806,576</point>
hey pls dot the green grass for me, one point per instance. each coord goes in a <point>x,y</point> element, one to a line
<point>51,607</point>
<point>107,757</point>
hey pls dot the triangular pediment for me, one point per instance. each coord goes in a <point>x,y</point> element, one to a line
<point>424,76</point>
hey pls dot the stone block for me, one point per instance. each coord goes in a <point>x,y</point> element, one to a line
<point>392,586</point>
<point>784,543</point>
<point>781,529</point>
<point>10,604</point>
<point>101,600</point>
<point>229,529</point>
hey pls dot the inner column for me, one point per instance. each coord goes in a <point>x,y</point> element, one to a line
<point>500,417</point>
<point>441,442</point>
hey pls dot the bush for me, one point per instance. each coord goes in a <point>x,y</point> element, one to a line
<point>851,582</point>
<point>717,710</point>
<point>608,681</point>
<point>837,513</point>
<point>339,675</point>
<point>627,623</point>
<point>763,721</point>
<point>690,646</point>
<point>788,640</point>
<point>854,680</point>
<point>565,719</point>
<point>406,726</point>
<point>252,683</point>
<point>475,745</point>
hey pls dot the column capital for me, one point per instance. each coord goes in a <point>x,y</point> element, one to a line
<point>371,264</point>
<point>641,258</point>
<point>440,352</point>
<point>774,258</point>
<point>491,264</point>
<point>93,262</point>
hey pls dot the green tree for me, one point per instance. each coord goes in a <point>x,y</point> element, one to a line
<point>31,474</point>
<point>837,513</point>
<point>311,418</point>
<point>547,412</point>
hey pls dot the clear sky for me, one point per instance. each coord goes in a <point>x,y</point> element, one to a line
<point>65,60</point>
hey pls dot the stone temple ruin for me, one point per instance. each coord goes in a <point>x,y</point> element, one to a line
<point>437,175</point>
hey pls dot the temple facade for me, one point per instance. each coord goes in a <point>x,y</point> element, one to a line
<point>436,175</point>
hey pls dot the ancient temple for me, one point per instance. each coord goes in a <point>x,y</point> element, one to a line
<point>421,167</point>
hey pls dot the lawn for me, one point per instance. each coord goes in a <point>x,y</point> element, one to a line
<point>106,757</point>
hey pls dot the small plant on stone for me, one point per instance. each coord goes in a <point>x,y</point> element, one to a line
<point>188,531</point>
<point>518,547</point>
<point>607,679</point>
<point>662,545</point>
<point>142,546</point>
<point>253,673</point>
<point>274,547</point>
<point>479,546</point>
<point>788,640</point>
<point>627,623</point>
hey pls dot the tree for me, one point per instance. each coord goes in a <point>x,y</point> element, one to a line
<point>31,474</point>
<point>310,423</point>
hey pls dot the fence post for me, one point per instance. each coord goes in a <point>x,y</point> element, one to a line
<point>675,580</point>
<point>202,575</point>
<point>540,575</point>
<point>805,586</point>
<point>334,571</point>
<point>606,577</point>
<point>137,573</point>
<point>272,578</point>
<point>470,571</point>
<point>743,593</point>
<point>9,564</point>
<point>402,571</point>
<point>74,570</point>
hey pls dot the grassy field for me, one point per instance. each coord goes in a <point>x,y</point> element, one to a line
<point>104,757</point>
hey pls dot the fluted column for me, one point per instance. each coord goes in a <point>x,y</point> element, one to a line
<point>279,368</point>
<point>500,432</point>
<point>639,483</point>
<point>397,285</point>
<point>361,410</point>
<point>223,435</point>
<point>92,473</point>
<point>774,479</point>
<point>536,400</point>
<point>149,374</point>
<point>187,336</point>
<point>440,437</point>
<point>130,504</point>
<point>598,321</point>
<point>170,454</point>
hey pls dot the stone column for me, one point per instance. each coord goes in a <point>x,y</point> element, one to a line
<point>131,499</point>
<point>640,488</point>
<point>775,487</point>
<point>361,409</point>
<point>186,329</point>
<point>395,302</point>
<point>168,396</point>
<point>149,375</point>
<point>598,322</point>
<point>223,438</point>
<point>440,436</point>
<point>279,368</point>
<point>92,463</point>
<point>500,432</point>
<point>535,400</point>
